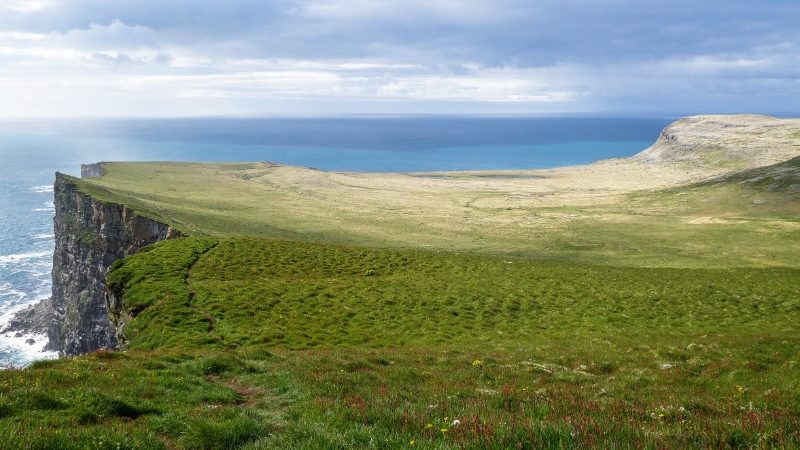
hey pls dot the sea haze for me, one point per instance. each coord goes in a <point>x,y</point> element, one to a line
<point>32,151</point>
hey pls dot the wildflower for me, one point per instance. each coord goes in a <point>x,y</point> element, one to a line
<point>477,363</point>
<point>443,430</point>
<point>456,422</point>
<point>429,426</point>
<point>413,442</point>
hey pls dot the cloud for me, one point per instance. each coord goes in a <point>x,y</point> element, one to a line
<point>447,11</point>
<point>564,55</point>
<point>24,6</point>
<point>115,35</point>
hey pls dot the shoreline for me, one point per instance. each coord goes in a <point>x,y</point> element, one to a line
<point>24,333</point>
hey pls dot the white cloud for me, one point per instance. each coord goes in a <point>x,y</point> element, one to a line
<point>114,36</point>
<point>299,83</point>
<point>20,36</point>
<point>114,43</point>
<point>455,11</point>
<point>212,58</point>
<point>24,6</point>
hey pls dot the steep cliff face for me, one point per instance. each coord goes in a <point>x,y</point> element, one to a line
<point>90,235</point>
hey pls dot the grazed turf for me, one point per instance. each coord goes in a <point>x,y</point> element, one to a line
<point>326,346</point>
<point>724,225</point>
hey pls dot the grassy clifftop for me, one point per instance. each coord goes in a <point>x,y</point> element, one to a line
<point>720,227</point>
<point>616,212</point>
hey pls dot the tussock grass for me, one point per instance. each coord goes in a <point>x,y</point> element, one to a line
<point>571,314</point>
<point>329,346</point>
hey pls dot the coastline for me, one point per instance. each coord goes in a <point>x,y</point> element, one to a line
<point>24,332</point>
<point>671,161</point>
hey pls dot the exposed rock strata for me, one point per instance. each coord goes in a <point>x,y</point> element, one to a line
<point>95,170</point>
<point>90,235</point>
<point>725,142</point>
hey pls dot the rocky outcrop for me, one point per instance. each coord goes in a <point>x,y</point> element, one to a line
<point>117,314</point>
<point>725,142</point>
<point>90,235</point>
<point>35,319</point>
<point>95,170</point>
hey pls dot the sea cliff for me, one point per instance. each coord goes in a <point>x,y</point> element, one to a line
<point>89,236</point>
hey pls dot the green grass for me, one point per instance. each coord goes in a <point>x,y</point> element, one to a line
<point>782,178</point>
<point>111,400</point>
<point>287,320</point>
<point>643,229</point>
<point>252,343</point>
<point>299,295</point>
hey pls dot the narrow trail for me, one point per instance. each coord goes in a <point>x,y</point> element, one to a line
<point>212,323</point>
<point>249,395</point>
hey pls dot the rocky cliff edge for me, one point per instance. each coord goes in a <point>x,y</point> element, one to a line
<point>89,236</point>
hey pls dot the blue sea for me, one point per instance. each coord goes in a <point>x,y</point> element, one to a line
<point>32,151</point>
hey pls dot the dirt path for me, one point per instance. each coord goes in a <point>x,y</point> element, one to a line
<point>212,323</point>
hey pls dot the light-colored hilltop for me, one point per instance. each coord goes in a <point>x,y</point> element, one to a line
<point>620,211</point>
<point>726,142</point>
<point>689,150</point>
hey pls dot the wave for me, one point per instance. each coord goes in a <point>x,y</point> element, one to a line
<point>14,259</point>
<point>7,290</point>
<point>47,188</point>
<point>44,236</point>
<point>18,349</point>
<point>21,349</point>
<point>48,206</point>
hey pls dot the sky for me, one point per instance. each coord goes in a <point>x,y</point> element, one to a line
<point>120,58</point>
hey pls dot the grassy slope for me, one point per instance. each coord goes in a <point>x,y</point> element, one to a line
<point>782,179</point>
<point>399,344</point>
<point>256,334</point>
<point>645,229</point>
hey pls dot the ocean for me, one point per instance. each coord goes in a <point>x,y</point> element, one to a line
<point>32,151</point>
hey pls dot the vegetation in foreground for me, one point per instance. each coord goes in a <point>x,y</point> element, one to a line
<point>252,343</point>
<point>685,336</point>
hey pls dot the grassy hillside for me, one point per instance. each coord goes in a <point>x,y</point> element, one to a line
<point>782,179</point>
<point>649,302</point>
<point>529,218</point>
<point>252,343</point>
